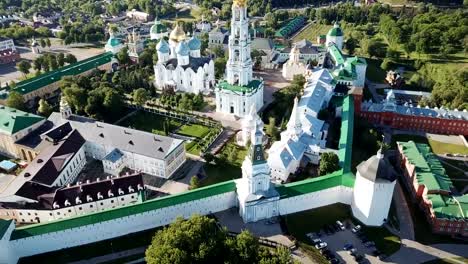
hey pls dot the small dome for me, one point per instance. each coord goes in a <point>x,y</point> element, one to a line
<point>162,46</point>
<point>182,49</point>
<point>113,41</point>
<point>158,28</point>
<point>177,34</point>
<point>335,31</point>
<point>194,43</point>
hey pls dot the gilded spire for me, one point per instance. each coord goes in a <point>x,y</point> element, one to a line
<point>240,3</point>
<point>177,34</point>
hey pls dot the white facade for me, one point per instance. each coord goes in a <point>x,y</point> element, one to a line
<point>335,36</point>
<point>138,15</point>
<point>249,123</point>
<point>180,65</point>
<point>72,169</point>
<point>6,44</point>
<point>113,44</point>
<point>257,197</point>
<point>240,90</point>
<point>294,66</point>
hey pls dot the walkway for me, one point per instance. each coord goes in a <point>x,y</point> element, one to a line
<point>113,256</point>
<point>221,140</point>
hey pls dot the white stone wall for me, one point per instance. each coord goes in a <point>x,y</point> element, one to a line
<point>371,200</point>
<point>313,200</point>
<point>291,69</point>
<point>119,227</point>
<point>361,75</point>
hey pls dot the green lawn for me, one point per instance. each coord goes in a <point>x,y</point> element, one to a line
<point>149,122</point>
<point>312,31</point>
<point>241,152</point>
<point>193,130</point>
<point>217,174</point>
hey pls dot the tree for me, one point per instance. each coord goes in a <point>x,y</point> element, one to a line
<point>47,41</point>
<point>271,128</point>
<point>70,58</point>
<point>76,97</point>
<point>61,59</point>
<point>24,67</point>
<point>37,65</point>
<point>16,100</point>
<point>208,157</point>
<point>350,45</point>
<point>194,182</point>
<point>386,64</point>
<point>220,67</point>
<point>329,163</point>
<point>123,57</point>
<point>44,108</point>
<point>200,240</point>
<point>140,96</point>
<point>42,43</point>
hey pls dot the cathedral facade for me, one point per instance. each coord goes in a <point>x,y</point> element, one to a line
<point>240,89</point>
<point>180,65</point>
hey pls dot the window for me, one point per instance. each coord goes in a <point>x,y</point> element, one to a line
<point>69,210</point>
<point>79,208</point>
<point>121,199</point>
<point>90,206</point>
<point>112,201</point>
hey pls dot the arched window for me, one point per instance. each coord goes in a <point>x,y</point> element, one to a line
<point>236,79</point>
<point>236,55</point>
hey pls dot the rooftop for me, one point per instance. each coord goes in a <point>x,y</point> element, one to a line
<point>429,170</point>
<point>252,86</point>
<point>449,207</point>
<point>45,79</point>
<point>13,120</point>
<point>291,27</point>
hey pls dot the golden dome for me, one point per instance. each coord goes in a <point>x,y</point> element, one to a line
<point>177,34</point>
<point>240,3</point>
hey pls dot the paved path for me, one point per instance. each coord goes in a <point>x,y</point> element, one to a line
<point>221,140</point>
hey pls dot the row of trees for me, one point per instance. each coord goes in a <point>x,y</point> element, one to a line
<point>19,32</point>
<point>46,63</point>
<point>186,101</point>
<point>200,240</point>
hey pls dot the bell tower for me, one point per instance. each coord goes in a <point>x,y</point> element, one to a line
<point>239,64</point>
<point>65,109</point>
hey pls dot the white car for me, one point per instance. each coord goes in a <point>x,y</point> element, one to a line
<point>321,245</point>
<point>342,227</point>
<point>356,229</point>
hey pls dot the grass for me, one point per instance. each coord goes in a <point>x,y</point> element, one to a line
<point>312,31</point>
<point>385,241</point>
<point>216,174</point>
<point>193,130</point>
<point>149,122</point>
<point>241,152</point>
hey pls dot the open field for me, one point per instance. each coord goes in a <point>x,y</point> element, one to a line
<point>149,122</point>
<point>192,130</point>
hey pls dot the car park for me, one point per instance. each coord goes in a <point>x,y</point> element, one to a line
<point>334,261</point>
<point>321,245</point>
<point>316,241</point>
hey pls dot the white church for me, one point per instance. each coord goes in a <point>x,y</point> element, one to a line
<point>180,65</point>
<point>240,89</point>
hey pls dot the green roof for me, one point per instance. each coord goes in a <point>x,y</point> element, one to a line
<point>310,185</point>
<point>335,31</point>
<point>4,225</point>
<point>158,28</point>
<point>13,120</point>
<point>252,86</point>
<point>48,78</point>
<point>346,136</point>
<point>89,219</point>
<point>113,42</point>
<point>291,27</point>
<point>336,55</point>
<point>449,207</point>
<point>429,170</point>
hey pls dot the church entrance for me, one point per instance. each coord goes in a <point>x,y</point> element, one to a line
<point>232,110</point>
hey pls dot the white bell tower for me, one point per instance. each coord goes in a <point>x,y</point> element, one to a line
<point>65,109</point>
<point>239,65</point>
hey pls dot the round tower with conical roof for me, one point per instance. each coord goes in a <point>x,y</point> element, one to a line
<point>335,36</point>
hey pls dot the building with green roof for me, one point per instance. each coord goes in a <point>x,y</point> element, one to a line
<point>335,36</point>
<point>46,84</point>
<point>15,125</point>
<point>430,185</point>
<point>158,30</point>
<point>291,27</point>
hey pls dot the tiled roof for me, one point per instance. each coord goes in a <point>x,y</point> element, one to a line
<point>429,170</point>
<point>310,185</point>
<point>98,217</point>
<point>4,225</point>
<point>336,54</point>
<point>449,207</point>
<point>252,86</point>
<point>346,136</point>
<point>13,120</point>
<point>45,79</point>
<point>291,27</point>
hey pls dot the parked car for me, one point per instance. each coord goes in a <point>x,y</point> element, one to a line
<point>342,227</point>
<point>358,257</point>
<point>348,246</point>
<point>334,261</point>
<point>382,256</point>
<point>316,241</point>
<point>324,251</point>
<point>329,256</point>
<point>321,245</point>
<point>356,229</point>
<point>376,252</point>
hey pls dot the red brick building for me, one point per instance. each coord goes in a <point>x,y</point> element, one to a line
<point>406,117</point>
<point>8,52</point>
<point>430,186</point>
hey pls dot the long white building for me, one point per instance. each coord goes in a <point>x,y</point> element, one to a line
<point>240,89</point>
